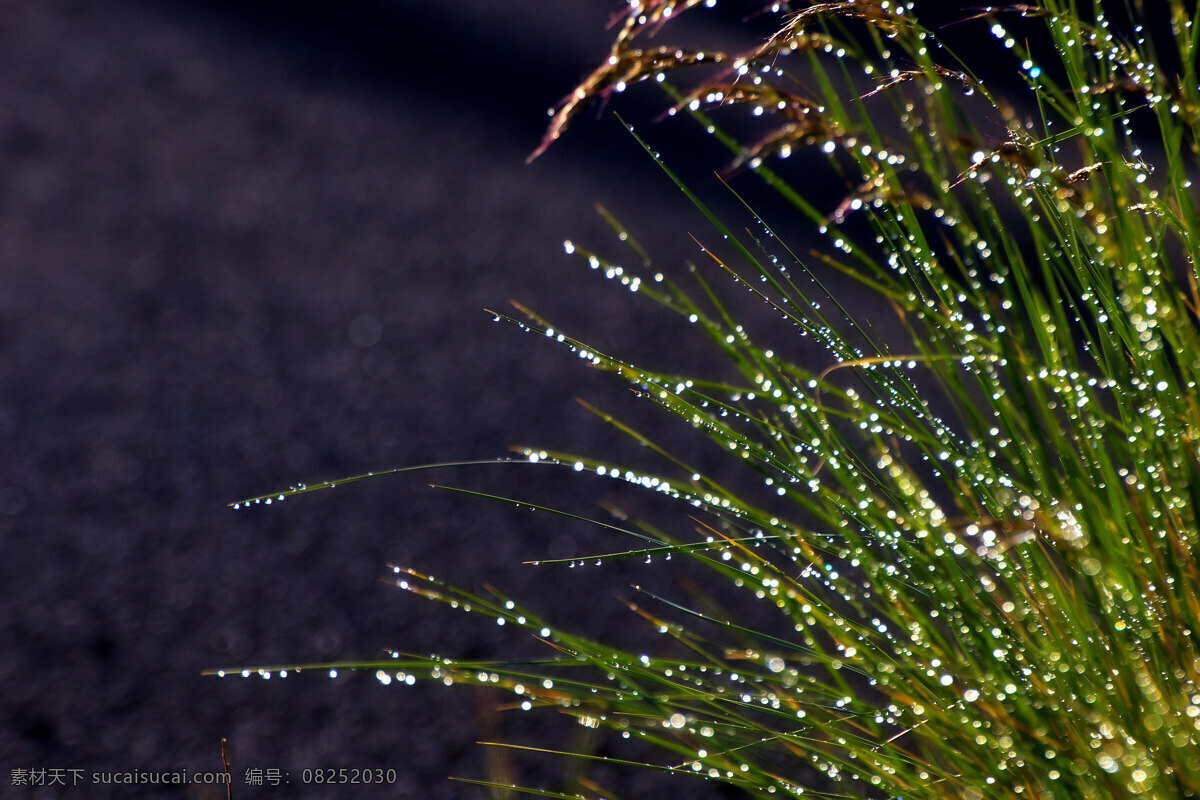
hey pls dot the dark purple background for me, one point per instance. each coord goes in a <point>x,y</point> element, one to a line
<point>243,247</point>
<point>248,244</point>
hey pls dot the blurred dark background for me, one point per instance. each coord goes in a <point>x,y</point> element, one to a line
<point>249,244</point>
<point>245,245</point>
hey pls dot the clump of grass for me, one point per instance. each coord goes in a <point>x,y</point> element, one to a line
<point>981,541</point>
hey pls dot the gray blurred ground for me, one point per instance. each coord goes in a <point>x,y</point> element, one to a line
<point>243,247</point>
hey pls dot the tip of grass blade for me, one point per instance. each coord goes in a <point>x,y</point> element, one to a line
<point>275,497</point>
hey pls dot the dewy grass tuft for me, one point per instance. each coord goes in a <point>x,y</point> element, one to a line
<point>979,542</point>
